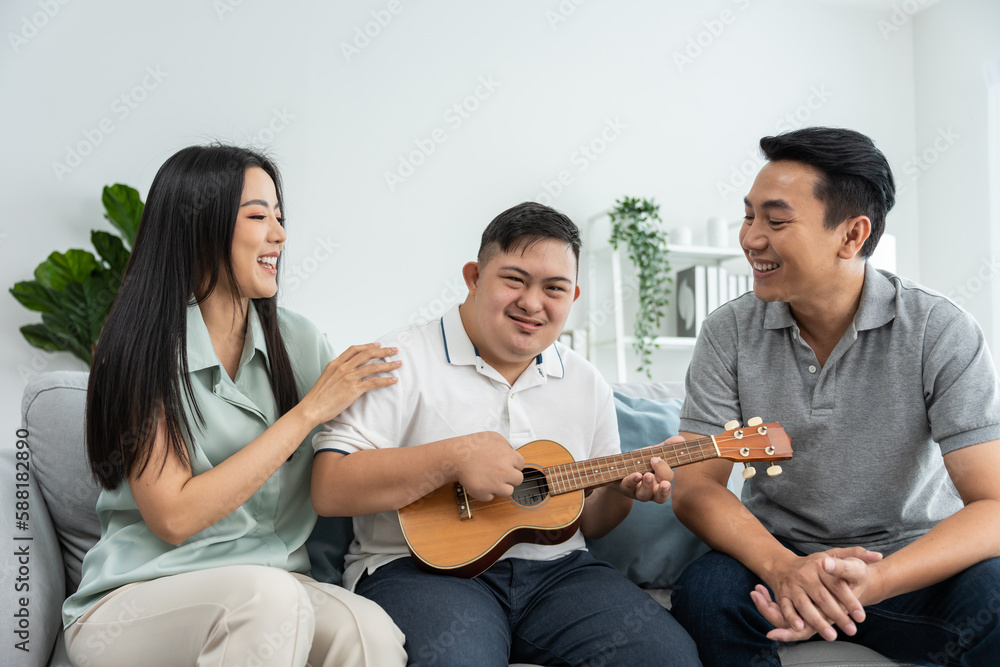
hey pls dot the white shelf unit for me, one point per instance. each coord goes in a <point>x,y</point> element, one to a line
<point>600,253</point>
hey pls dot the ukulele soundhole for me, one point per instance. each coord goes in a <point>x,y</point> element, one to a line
<point>534,490</point>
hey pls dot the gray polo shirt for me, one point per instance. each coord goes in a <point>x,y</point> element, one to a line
<point>911,380</point>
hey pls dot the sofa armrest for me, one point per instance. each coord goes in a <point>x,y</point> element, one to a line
<point>37,577</point>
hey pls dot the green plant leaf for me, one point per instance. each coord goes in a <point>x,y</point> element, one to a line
<point>72,336</point>
<point>99,292</point>
<point>74,309</point>
<point>111,249</point>
<point>61,269</point>
<point>35,296</point>
<point>123,209</point>
<point>39,336</point>
<point>636,223</point>
<point>74,290</point>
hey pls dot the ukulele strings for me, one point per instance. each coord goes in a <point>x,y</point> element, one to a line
<point>636,456</point>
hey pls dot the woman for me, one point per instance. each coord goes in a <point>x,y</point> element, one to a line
<point>199,439</point>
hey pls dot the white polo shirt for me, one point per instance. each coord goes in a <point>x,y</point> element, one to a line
<point>446,390</point>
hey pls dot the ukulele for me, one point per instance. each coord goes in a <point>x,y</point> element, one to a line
<point>449,532</point>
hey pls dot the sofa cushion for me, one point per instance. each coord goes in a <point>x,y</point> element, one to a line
<point>52,410</point>
<point>650,546</point>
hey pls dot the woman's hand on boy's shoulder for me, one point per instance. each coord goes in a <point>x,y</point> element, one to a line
<point>346,378</point>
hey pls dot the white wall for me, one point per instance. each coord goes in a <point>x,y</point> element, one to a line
<point>951,166</point>
<point>277,75</point>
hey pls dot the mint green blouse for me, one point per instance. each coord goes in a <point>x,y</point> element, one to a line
<point>272,526</point>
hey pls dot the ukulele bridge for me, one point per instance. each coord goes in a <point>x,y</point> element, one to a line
<point>462,500</point>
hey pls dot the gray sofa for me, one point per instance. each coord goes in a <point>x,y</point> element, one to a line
<point>57,497</point>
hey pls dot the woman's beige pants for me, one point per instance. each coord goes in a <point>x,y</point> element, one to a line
<point>246,615</point>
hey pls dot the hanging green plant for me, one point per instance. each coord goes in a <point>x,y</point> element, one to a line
<point>74,290</point>
<point>637,223</point>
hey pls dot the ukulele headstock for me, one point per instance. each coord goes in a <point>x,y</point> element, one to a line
<point>755,442</point>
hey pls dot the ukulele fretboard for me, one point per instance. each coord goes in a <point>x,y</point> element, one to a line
<point>609,469</point>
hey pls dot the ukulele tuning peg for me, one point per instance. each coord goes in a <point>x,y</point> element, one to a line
<point>773,470</point>
<point>755,421</point>
<point>748,472</point>
<point>731,425</point>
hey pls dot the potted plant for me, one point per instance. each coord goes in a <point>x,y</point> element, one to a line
<point>74,290</point>
<point>636,222</point>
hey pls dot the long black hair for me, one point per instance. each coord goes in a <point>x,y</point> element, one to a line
<point>183,249</point>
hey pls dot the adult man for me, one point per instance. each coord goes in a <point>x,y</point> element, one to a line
<point>474,386</point>
<point>889,395</point>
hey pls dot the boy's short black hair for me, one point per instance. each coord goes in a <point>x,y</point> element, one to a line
<point>525,224</point>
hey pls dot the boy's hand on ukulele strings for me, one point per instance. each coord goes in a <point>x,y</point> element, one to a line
<point>489,466</point>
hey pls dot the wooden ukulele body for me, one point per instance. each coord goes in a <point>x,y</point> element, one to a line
<point>446,539</point>
<point>449,532</point>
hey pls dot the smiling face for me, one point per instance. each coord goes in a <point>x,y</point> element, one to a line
<point>518,303</point>
<point>258,237</point>
<point>795,257</point>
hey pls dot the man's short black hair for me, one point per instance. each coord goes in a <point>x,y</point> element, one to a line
<point>856,178</point>
<point>524,225</point>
